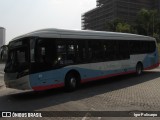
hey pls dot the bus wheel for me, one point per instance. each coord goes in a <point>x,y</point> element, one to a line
<point>139,69</point>
<point>71,82</point>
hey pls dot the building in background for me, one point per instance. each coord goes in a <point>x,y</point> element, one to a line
<point>3,53</point>
<point>2,36</point>
<point>3,47</point>
<point>109,10</point>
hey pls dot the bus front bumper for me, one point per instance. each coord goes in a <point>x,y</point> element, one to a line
<point>21,83</point>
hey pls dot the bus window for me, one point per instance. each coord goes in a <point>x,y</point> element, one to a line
<point>135,47</point>
<point>46,52</point>
<point>32,49</point>
<point>95,49</point>
<point>142,47</point>
<point>71,51</point>
<point>65,51</point>
<point>61,52</point>
<point>152,46</point>
<point>81,51</point>
<point>145,47</point>
<point>123,50</point>
<point>110,47</point>
<point>18,56</point>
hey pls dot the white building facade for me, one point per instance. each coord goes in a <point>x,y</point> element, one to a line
<point>2,36</point>
<point>3,47</point>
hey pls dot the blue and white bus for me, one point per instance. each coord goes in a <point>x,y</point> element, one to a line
<point>52,58</point>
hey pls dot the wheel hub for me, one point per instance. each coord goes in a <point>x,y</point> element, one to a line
<point>73,82</point>
<point>139,70</point>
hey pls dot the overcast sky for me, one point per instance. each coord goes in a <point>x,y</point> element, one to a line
<point>23,16</point>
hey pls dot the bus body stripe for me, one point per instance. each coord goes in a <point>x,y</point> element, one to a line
<point>152,67</point>
<point>112,75</point>
<point>40,88</point>
<point>106,76</point>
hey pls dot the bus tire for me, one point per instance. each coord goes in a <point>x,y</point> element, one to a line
<point>72,81</point>
<point>139,68</point>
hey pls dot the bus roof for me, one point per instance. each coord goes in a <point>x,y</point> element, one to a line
<point>84,34</point>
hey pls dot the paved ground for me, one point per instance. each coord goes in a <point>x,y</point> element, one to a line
<point>123,93</point>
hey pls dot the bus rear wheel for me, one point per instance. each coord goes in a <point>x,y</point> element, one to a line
<point>71,82</point>
<point>139,69</point>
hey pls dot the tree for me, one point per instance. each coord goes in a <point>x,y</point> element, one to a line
<point>143,22</point>
<point>157,37</point>
<point>111,25</point>
<point>123,27</point>
<point>147,21</point>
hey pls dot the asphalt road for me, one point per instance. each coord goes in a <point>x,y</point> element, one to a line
<point>122,93</point>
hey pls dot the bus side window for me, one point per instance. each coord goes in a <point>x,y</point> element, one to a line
<point>41,51</point>
<point>76,51</point>
<point>41,54</point>
<point>81,51</point>
<point>46,52</point>
<point>61,50</point>
<point>152,46</point>
<point>95,49</point>
<point>110,50</point>
<point>66,50</point>
<point>123,50</point>
<point>71,51</point>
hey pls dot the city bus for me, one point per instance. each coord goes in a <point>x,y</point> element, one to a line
<point>53,58</point>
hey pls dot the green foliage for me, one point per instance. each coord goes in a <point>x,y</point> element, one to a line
<point>143,22</point>
<point>118,26</point>
<point>147,23</point>
<point>111,25</point>
<point>123,27</point>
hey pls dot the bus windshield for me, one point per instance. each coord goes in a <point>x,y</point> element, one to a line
<point>18,57</point>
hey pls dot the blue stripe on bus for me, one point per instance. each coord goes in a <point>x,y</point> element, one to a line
<point>58,76</point>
